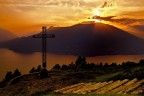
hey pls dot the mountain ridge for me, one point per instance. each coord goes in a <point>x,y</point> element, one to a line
<point>6,35</point>
<point>92,39</point>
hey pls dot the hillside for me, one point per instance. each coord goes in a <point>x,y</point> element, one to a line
<point>91,39</point>
<point>6,35</point>
<point>107,79</point>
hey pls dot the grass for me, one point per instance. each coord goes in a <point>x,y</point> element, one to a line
<point>54,94</point>
<point>103,78</point>
<point>60,79</point>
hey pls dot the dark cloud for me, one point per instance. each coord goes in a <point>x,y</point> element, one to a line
<point>109,18</point>
<point>139,27</point>
<point>106,5</point>
<point>121,20</point>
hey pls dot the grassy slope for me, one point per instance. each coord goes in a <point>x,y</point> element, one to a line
<point>103,78</point>
<point>60,79</point>
<point>111,76</point>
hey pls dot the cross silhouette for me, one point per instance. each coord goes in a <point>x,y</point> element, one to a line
<point>44,37</point>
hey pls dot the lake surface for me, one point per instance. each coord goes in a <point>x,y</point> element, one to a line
<point>9,60</point>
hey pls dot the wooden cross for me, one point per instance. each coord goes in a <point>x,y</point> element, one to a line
<point>44,37</point>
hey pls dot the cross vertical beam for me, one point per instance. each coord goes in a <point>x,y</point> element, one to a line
<point>44,37</point>
<point>44,47</point>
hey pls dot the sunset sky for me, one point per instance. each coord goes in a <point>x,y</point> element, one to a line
<point>25,17</point>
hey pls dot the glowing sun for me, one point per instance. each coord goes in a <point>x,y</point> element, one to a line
<point>97,13</point>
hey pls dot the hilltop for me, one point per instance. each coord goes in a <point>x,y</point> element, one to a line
<point>129,73</point>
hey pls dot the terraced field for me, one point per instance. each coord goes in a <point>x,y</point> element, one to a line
<point>125,86</point>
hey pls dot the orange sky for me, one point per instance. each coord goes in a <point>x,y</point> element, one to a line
<point>25,17</point>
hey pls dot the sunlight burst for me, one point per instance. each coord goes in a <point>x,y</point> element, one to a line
<point>97,20</point>
<point>97,13</point>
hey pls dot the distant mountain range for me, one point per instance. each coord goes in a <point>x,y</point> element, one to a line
<point>91,39</point>
<point>5,35</point>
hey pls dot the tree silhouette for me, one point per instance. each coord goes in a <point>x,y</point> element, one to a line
<point>38,68</point>
<point>81,62</point>
<point>8,76</point>
<point>91,66</point>
<point>72,66</point>
<point>57,67</point>
<point>32,70</point>
<point>16,73</point>
<point>141,62</point>
<point>65,67</point>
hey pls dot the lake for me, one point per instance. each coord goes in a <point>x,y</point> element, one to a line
<point>10,60</point>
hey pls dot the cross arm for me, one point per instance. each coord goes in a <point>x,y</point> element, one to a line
<point>50,36</point>
<point>37,36</point>
<point>44,36</point>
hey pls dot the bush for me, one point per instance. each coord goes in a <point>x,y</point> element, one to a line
<point>16,73</point>
<point>57,67</point>
<point>65,67</point>
<point>8,76</point>
<point>38,68</point>
<point>81,62</point>
<point>32,70</point>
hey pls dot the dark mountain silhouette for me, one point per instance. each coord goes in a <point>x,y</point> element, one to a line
<point>5,35</point>
<point>89,39</point>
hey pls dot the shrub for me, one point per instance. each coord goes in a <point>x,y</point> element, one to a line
<point>16,73</point>
<point>8,76</point>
